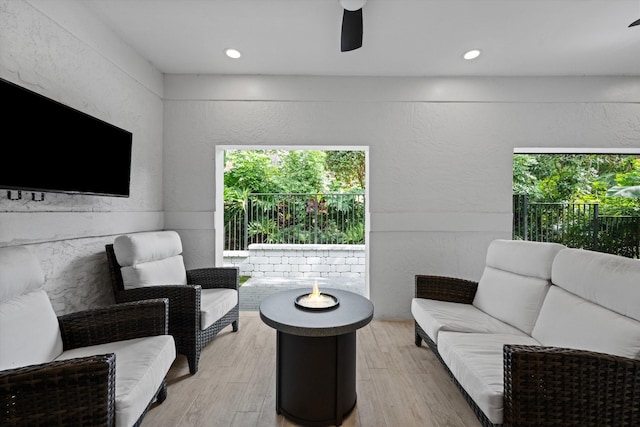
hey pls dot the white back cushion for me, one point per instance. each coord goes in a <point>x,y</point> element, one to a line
<point>608,280</point>
<point>515,281</point>
<point>132,249</point>
<point>19,272</point>
<point>150,259</point>
<point>168,271</point>
<point>567,320</point>
<point>29,330</point>
<point>532,259</point>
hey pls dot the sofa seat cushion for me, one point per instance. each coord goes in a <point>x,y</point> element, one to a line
<point>567,320</point>
<point>141,366</point>
<point>515,281</point>
<point>476,361</point>
<point>436,316</point>
<point>214,304</point>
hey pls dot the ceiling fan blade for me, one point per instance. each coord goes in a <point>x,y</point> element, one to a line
<point>351,30</point>
<point>634,23</point>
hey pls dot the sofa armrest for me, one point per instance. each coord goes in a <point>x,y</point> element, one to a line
<point>114,323</point>
<point>445,289</point>
<point>547,386</point>
<point>70,392</point>
<point>215,277</point>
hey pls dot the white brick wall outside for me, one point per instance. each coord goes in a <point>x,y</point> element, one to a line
<point>262,260</point>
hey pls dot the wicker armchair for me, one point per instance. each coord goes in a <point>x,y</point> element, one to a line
<point>185,304</point>
<point>64,389</point>
<point>548,386</point>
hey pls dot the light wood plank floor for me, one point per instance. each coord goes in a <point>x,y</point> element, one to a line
<point>398,384</point>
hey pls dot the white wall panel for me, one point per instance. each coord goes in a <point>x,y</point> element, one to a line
<point>441,152</point>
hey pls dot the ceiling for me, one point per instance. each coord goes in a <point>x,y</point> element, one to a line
<point>401,37</point>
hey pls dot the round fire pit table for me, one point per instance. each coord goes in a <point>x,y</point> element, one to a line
<point>316,354</point>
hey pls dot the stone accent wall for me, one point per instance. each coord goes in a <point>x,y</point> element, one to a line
<point>298,261</point>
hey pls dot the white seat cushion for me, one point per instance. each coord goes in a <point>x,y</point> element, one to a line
<point>435,316</point>
<point>476,361</point>
<point>608,280</point>
<point>29,331</point>
<point>567,320</point>
<point>214,304</point>
<point>515,281</point>
<point>168,271</point>
<point>141,366</point>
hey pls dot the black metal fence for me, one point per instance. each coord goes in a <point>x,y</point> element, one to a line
<point>577,225</point>
<point>294,219</point>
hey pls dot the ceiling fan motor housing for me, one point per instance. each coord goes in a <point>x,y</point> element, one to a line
<point>352,5</point>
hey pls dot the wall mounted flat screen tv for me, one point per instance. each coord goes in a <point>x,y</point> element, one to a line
<point>50,147</point>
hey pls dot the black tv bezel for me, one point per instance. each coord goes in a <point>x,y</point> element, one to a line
<point>127,139</point>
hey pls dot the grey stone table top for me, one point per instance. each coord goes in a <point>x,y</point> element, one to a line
<point>281,313</point>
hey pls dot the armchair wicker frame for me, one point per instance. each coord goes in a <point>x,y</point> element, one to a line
<point>184,304</point>
<point>80,391</point>
<point>548,386</point>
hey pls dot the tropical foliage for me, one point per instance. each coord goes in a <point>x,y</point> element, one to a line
<point>589,201</point>
<point>612,181</point>
<point>293,196</point>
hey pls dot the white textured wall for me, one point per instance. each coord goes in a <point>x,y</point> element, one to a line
<point>58,50</point>
<point>441,153</point>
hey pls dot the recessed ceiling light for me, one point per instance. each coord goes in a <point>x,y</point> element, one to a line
<point>472,54</point>
<point>232,53</point>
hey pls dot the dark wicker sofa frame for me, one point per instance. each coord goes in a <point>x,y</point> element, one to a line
<point>80,391</point>
<point>548,386</point>
<point>184,304</point>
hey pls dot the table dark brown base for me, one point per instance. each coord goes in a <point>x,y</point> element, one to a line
<point>316,356</point>
<point>316,378</point>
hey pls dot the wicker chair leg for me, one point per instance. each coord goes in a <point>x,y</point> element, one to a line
<point>193,360</point>
<point>162,393</point>
<point>418,340</point>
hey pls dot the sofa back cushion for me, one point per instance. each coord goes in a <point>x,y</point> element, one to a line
<point>595,305</point>
<point>150,259</point>
<point>515,281</point>
<point>567,320</point>
<point>608,280</point>
<point>29,330</point>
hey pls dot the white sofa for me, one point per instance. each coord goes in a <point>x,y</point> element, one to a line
<point>549,335</point>
<point>98,367</point>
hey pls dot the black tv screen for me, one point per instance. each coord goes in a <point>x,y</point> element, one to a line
<point>50,147</point>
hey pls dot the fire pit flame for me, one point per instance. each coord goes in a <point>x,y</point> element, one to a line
<point>316,300</point>
<point>315,293</point>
